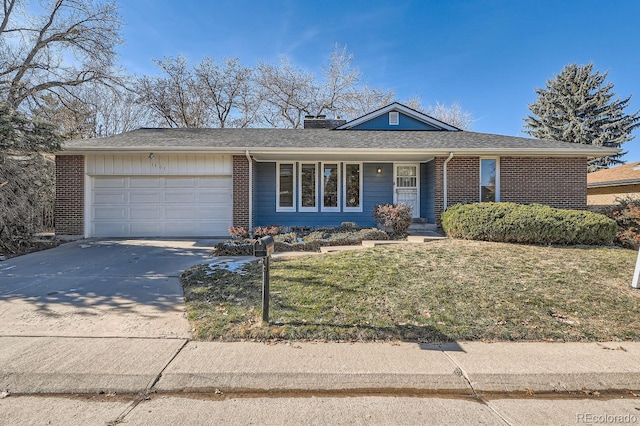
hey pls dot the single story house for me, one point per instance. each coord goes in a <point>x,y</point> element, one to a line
<point>198,182</point>
<point>605,186</point>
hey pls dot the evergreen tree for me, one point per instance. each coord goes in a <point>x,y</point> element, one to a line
<point>579,106</point>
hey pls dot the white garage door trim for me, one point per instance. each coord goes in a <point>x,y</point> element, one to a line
<point>161,195</point>
<point>160,206</point>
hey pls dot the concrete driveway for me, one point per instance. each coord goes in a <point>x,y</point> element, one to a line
<point>99,288</point>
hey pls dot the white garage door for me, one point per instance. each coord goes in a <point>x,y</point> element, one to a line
<point>160,206</point>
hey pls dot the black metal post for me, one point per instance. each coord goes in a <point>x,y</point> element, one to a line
<point>265,289</point>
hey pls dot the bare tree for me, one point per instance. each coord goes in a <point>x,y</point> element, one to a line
<point>175,98</point>
<point>92,110</point>
<point>367,99</point>
<point>452,114</point>
<point>287,94</point>
<point>290,93</point>
<point>35,51</point>
<point>339,90</point>
<point>227,91</point>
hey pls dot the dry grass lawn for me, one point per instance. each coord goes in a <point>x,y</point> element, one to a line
<point>434,292</point>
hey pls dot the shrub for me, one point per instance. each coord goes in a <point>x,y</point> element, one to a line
<point>290,238</point>
<point>348,225</point>
<point>314,236</point>
<point>527,224</point>
<point>238,232</point>
<point>234,248</point>
<point>263,231</point>
<point>627,216</point>
<point>396,217</point>
<point>372,234</point>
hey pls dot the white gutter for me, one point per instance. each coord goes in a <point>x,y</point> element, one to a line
<point>250,190</point>
<point>444,181</point>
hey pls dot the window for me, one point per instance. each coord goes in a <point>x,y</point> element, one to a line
<point>285,178</point>
<point>308,187</point>
<point>489,179</point>
<point>394,118</point>
<point>330,187</point>
<point>352,187</point>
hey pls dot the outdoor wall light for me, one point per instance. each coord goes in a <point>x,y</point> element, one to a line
<point>151,156</point>
<point>379,170</point>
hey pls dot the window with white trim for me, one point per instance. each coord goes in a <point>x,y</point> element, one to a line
<point>330,187</point>
<point>308,200</point>
<point>352,187</point>
<point>285,182</point>
<point>394,118</point>
<point>489,179</point>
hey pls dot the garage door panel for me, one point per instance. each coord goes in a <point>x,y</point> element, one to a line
<point>109,213</point>
<point>213,213</point>
<point>156,206</point>
<point>216,182</point>
<point>214,195</point>
<point>110,229</point>
<point>180,183</point>
<point>148,213</point>
<point>110,182</point>
<point>173,197</point>
<point>180,213</point>
<point>145,198</point>
<point>145,229</point>
<point>141,182</point>
<point>109,198</point>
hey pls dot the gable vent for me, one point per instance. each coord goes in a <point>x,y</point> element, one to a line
<point>394,118</point>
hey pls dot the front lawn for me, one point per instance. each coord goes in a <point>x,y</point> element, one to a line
<point>433,292</point>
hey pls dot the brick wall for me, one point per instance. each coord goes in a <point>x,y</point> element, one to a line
<point>69,211</point>
<point>607,195</point>
<point>240,191</point>
<point>463,182</point>
<point>558,182</point>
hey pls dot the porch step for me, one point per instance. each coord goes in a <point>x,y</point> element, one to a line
<point>425,229</point>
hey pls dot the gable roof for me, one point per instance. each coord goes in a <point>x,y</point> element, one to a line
<point>627,174</point>
<point>287,143</point>
<point>396,106</point>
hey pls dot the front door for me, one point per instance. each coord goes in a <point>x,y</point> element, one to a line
<point>406,185</point>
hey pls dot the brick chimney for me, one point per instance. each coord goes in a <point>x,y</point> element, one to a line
<point>322,122</point>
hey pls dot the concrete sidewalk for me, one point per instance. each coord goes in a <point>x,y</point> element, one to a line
<point>59,365</point>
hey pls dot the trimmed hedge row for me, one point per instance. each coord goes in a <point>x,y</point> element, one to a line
<point>527,224</point>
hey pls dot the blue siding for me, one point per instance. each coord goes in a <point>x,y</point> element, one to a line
<point>377,188</point>
<point>404,123</point>
<point>427,191</point>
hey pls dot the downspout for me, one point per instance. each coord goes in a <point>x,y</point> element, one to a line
<point>444,181</point>
<point>250,190</point>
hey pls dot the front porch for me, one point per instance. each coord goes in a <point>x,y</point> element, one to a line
<point>328,193</point>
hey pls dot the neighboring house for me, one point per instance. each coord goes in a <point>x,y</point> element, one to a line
<point>198,182</point>
<point>605,186</point>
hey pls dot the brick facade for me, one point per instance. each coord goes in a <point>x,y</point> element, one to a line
<point>557,182</point>
<point>463,182</point>
<point>69,211</point>
<point>240,191</point>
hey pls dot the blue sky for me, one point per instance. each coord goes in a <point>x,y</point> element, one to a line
<point>488,55</point>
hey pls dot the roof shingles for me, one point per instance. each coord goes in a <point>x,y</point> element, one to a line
<point>321,139</point>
